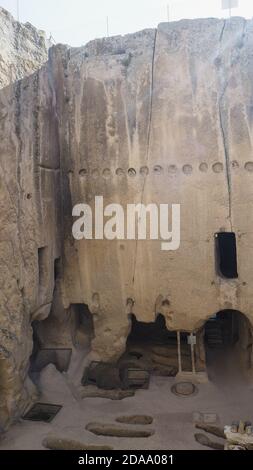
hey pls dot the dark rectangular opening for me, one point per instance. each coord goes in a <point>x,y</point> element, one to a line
<point>57,269</point>
<point>43,266</point>
<point>226,254</point>
<point>42,412</point>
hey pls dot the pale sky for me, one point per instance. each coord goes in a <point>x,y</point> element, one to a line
<point>76,22</point>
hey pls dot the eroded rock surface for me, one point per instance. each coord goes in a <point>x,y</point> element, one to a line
<point>30,225</point>
<point>23,49</point>
<point>160,116</point>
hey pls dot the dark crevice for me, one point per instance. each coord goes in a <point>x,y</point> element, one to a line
<point>226,154</point>
<point>149,133</point>
<point>151,95</point>
<point>222,31</point>
<point>18,124</point>
<point>44,167</point>
<point>51,82</point>
<point>223,134</point>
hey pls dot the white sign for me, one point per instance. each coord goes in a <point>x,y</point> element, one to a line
<point>228,4</point>
<point>192,340</point>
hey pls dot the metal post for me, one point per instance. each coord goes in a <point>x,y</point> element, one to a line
<point>107,25</point>
<point>179,352</point>
<point>229,5</point>
<point>192,355</point>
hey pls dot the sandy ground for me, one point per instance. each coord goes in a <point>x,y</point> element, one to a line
<point>228,395</point>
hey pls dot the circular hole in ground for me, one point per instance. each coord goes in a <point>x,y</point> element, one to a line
<point>184,389</point>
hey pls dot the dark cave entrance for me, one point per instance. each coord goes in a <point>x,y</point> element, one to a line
<point>55,338</point>
<point>82,326</point>
<point>226,255</point>
<point>228,343</point>
<point>154,347</point>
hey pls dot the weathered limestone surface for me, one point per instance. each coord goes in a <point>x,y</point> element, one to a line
<point>30,224</point>
<point>175,106</point>
<point>23,49</point>
<point>180,106</point>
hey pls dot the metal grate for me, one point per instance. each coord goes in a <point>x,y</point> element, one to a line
<point>45,412</point>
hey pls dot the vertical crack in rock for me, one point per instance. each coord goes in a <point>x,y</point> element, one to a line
<point>36,141</point>
<point>223,133</point>
<point>226,154</point>
<point>148,134</point>
<point>244,30</point>
<point>51,81</point>
<point>222,31</point>
<point>224,130</point>
<point>151,96</point>
<point>18,93</point>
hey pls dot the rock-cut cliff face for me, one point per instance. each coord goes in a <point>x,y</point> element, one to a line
<point>160,116</point>
<point>23,49</point>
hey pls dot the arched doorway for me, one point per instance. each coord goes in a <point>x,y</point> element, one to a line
<point>228,344</point>
<point>154,347</point>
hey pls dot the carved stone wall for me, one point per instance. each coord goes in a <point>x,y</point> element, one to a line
<point>160,116</point>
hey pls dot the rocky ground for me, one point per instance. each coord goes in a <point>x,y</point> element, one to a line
<point>228,397</point>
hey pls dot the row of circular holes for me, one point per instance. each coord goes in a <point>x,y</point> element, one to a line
<point>187,170</point>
